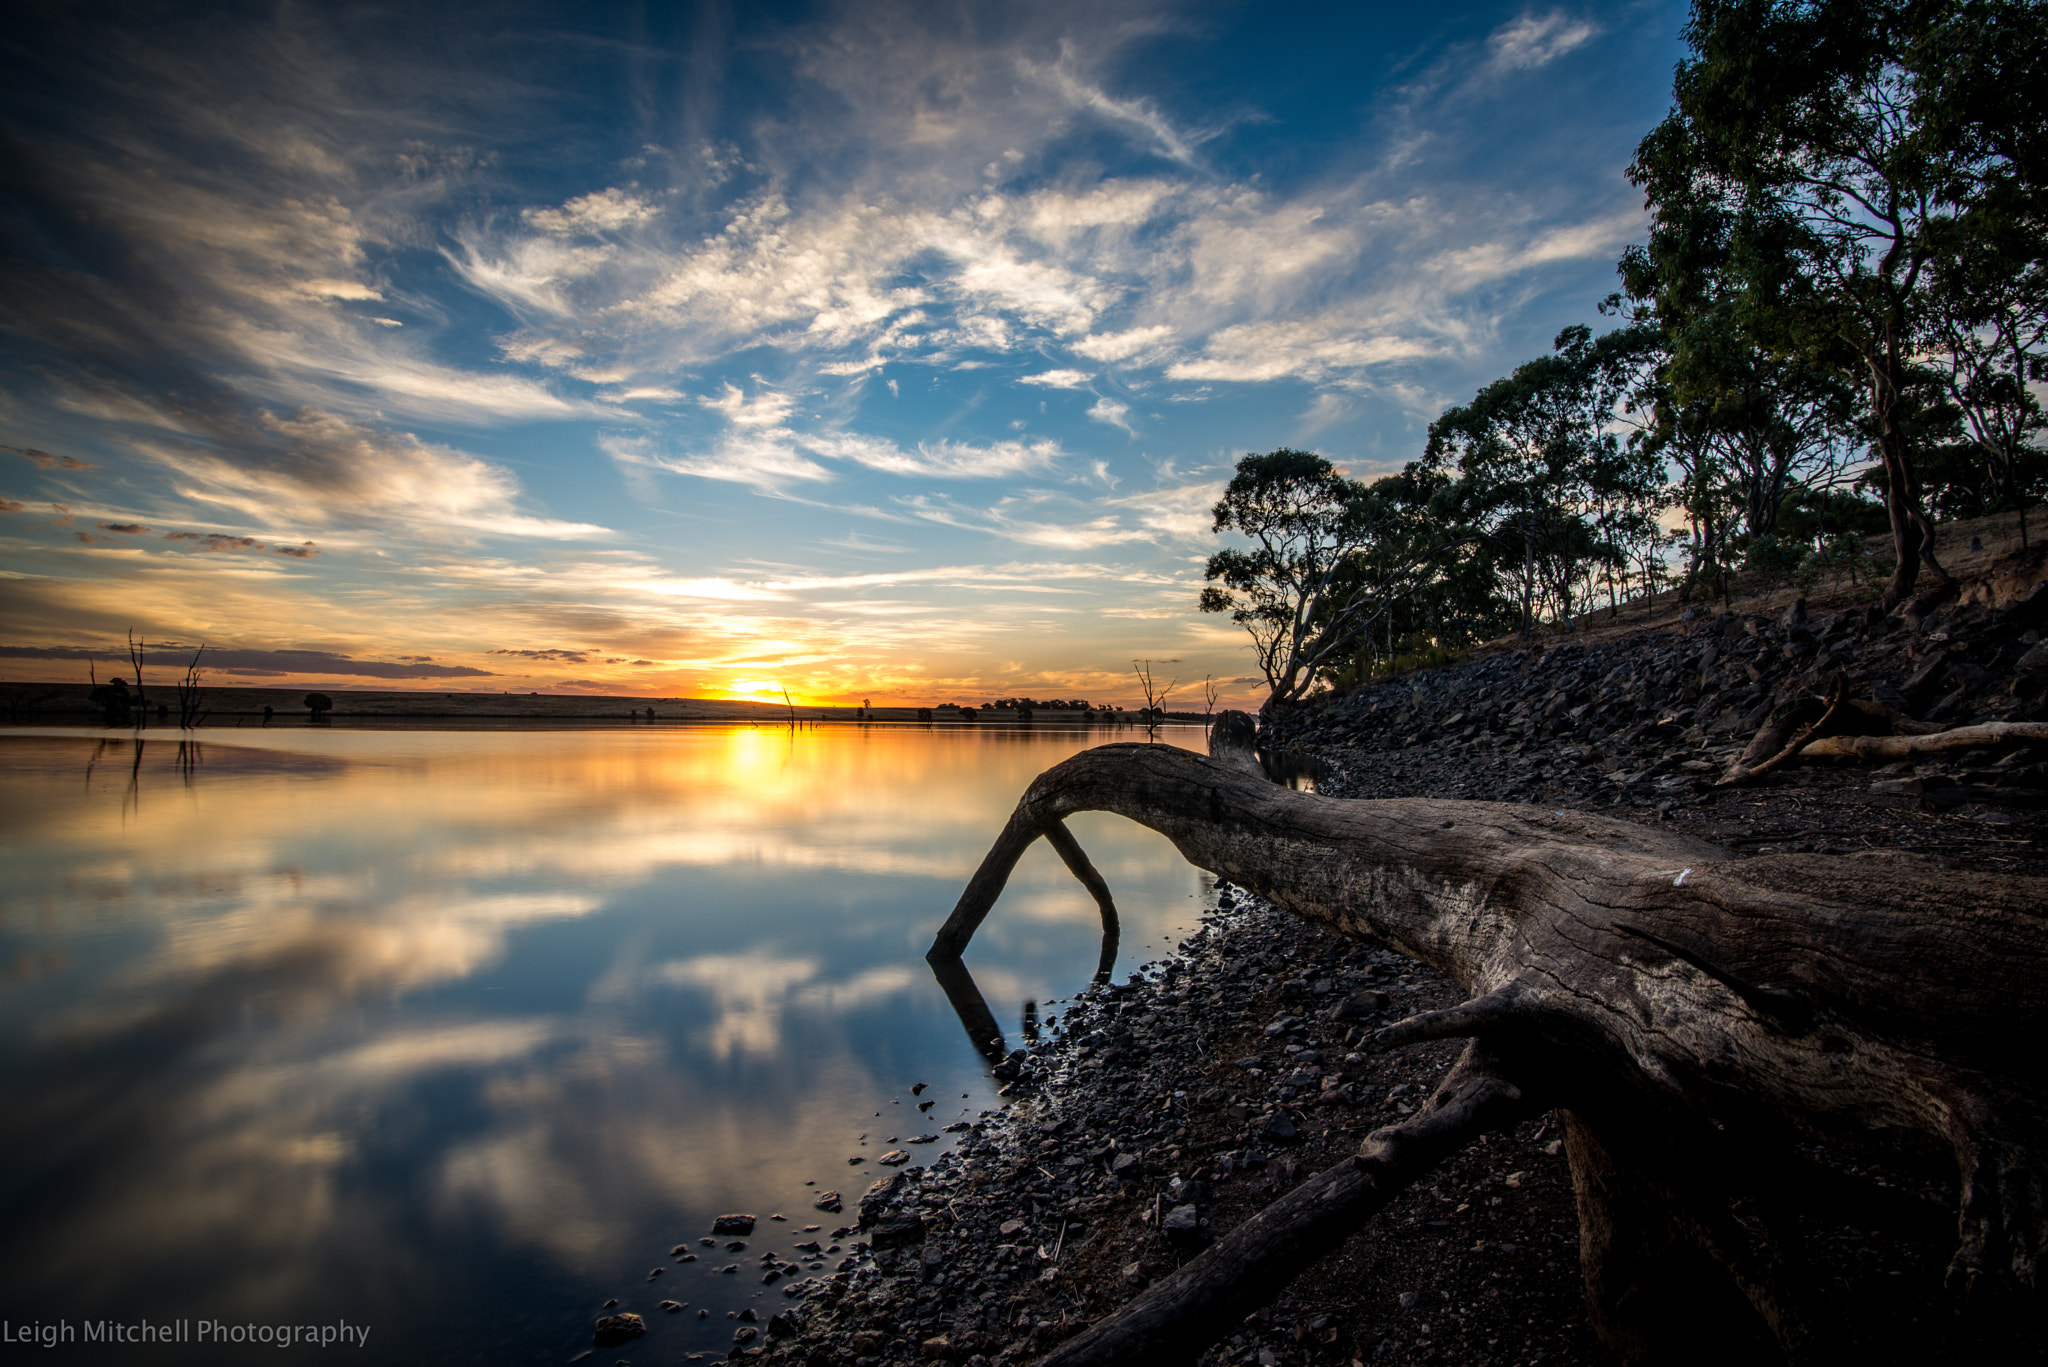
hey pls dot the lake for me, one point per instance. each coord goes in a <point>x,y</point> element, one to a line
<point>455,1034</point>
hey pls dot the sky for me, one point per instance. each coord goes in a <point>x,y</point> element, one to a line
<point>868,350</point>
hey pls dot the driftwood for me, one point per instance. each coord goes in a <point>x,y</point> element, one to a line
<point>1687,1012</point>
<point>1996,733</point>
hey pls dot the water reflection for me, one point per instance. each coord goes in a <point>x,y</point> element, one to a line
<point>373,1025</point>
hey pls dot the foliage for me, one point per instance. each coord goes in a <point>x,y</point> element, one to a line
<point>1328,557</point>
<point>319,704</point>
<point>1827,175</point>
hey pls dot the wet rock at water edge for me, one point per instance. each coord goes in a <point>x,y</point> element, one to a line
<point>614,1330</point>
<point>829,1201</point>
<point>895,1158</point>
<point>895,1230</point>
<point>733,1224</point>
<point>673,1307</point>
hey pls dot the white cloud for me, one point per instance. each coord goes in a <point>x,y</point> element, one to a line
<point>319,469</point>
<point>1122,346</point>
<point>597,212</point>
<point>1311,349</point>
<point>1110,413</point>
<point>766,409</point>
<point>941,459</point>
<point>1532,40</point>
<point>1057,379</point>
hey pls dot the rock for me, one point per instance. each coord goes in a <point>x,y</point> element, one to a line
<point>780,1326</point>
<point>733,1224</point>
<point>922,1139</point>
<point>1182,1224</point>
<point>1127,1165</point>
<point>1280,1129</point>
<point>614,1330</point>
<point>1010,1227</point>
<point>829,1201</point>
<point>746,1333</point>
<point>895,1158</point>
<point>896,1230</point>
<point>1360,1005</point>
<point>939,1349</point>
<point>672,1307</point>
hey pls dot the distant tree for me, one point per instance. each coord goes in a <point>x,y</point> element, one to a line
<point>319,704</point>
<point>1301,591</point>
<point>1535,456</point>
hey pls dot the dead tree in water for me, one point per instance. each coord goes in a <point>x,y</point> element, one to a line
<point>1690,1014</point>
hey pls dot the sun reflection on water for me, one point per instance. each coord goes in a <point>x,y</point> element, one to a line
<point>333,1022</point>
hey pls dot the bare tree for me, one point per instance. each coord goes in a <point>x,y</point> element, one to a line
<point>1155,695</point>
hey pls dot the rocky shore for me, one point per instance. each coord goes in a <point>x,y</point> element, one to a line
<point>1154,1114</point>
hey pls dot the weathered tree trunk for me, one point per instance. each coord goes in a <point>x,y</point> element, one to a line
<point>1687,1010</point>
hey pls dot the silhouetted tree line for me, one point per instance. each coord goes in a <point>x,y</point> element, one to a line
<point>1836,331</point>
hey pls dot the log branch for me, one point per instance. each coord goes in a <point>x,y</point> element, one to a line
<point>1988,735</point>
<point>1173,1321</point>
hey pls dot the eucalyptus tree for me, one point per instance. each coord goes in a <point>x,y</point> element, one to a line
<point>1818,155</point>
<point>1534,453</point>
<point>1328,558</point>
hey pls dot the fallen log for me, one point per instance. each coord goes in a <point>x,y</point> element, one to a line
<point>1688,1013</point>
<point>1988,734</point>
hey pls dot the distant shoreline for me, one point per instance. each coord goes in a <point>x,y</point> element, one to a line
<point>69,704</point>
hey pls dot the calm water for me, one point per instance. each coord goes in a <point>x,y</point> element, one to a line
<point>456,1034</point>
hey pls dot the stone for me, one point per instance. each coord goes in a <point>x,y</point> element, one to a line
<point>1182,1224</point>
<point>829,1201</point>
<point>1280,1129</point>
<point>893,1231</point>
<point>613,1330</point>
<point>895,1158</point>
<point>733,1224</point>
<point>1011,1227</point>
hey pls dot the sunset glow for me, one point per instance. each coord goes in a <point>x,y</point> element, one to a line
<point>677,351</point>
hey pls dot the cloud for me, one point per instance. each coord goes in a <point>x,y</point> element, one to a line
<point>305,550</point>
<point>216,541</point>
<point>1123,346</point>
<point>124,528</point>
<point>939,459</point>
<point>228,661</point>
<point>1057,379</point>
<point>601,211</point>
<point>48,461</point>
<point>1134,115</point>
<point>1110,413</point>
<point>1532,40</point>
<point>318,468</point>
<point>1310,349</point>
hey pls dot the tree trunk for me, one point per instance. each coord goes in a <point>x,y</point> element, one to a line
<point>1912,531</point>
<point>1689,1011</point>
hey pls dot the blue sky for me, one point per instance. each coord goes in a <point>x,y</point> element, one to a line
<point>870,350</point>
